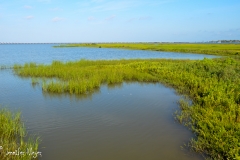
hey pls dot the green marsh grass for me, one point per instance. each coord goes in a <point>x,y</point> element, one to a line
<point>212,49</point>
<point>13,138</point>
<point>213,85</point>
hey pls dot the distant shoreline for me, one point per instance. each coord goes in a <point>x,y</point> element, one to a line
<point>211,49</point>
<point>207,42</point>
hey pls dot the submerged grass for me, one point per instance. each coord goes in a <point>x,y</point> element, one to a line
<point>13,142</point>
<point>212,84</point>
<point>3,67</point>
<point>213,49</point>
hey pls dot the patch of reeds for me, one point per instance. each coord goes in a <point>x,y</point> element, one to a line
<point>13,142</point>
<point>82,76</point>
<point>212,84</point>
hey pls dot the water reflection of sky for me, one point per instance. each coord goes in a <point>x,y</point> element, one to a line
<point>127,121</point>
<point>39,53</point>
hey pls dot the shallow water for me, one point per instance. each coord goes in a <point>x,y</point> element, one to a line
<point>45,53</point>
<point>128,121</point>
<point>125,121</point>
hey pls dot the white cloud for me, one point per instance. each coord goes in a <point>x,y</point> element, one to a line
<point>27,7</point>
<point>116,5</point>
<point>45,1</point>
<point>97,1</point>
<point>110,18</point>
<point>29,17</point>
<point>55,9</point>
<point>131,20</point>
<point>101,5</point>
<point>159,2</point>
<point>91,18</point>
<point>57,19</point>
<point>145,18</point>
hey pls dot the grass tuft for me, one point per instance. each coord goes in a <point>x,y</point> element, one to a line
<point>13,138</point>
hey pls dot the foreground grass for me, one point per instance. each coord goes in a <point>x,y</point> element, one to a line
<point>13,138</point>
<point>213,49</point>
<point>212,84</point>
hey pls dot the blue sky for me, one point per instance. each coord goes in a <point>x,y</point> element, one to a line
<point>118,20</point>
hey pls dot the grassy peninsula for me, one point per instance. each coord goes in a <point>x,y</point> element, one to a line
<point>13,142</point>
<point>212,84</point>
<point>213,49</point>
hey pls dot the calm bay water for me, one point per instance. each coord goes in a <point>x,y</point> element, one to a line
<point>128,121</point>
<point>39,53</point>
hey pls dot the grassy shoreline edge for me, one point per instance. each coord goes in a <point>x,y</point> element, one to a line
<point>212,84</point>
<point>212,49</point>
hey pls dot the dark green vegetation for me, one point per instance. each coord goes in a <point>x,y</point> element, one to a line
<point>212,84</point>
<point>13,138</point>
<point>213,49</point>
